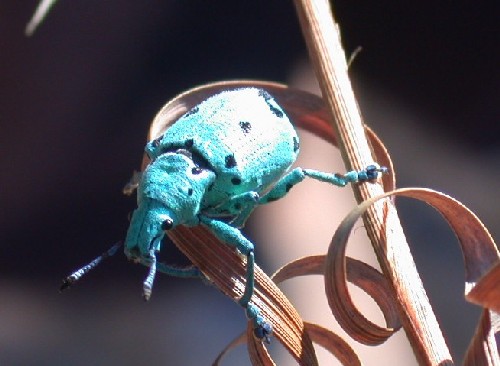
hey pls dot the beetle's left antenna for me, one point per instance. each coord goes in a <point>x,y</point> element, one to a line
<point>75,276</point>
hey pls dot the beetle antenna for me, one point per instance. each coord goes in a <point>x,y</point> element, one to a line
<point>75,276</point>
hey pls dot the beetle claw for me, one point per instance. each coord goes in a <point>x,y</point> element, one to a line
<point>264,332</point>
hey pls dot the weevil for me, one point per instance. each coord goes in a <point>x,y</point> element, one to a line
<point>212,167</point>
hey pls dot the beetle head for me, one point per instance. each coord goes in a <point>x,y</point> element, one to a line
<point>169,194</point>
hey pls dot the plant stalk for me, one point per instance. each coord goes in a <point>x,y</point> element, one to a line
<point>381,221</point>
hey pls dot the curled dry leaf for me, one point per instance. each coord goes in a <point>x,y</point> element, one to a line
<point>319,335</point>
<point>484,349</point>
<point>485,346</point>
<point>334,344</point>
<point>226,270</point>
<point>223,266</point>
<point>481,259</point>
<point>239,340</point>
<point>359,273</point>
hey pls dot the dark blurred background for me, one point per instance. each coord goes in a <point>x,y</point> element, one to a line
<point>76,102</point>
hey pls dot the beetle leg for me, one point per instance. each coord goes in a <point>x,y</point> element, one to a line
<point>297,175</point>
<point>243,205</point>
<point>233,237</point>
<point>371,173</point>
<point>281,188</point>
<point>183,272</point>
<point>262,329</point>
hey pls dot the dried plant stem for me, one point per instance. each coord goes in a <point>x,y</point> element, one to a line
<point>381,221</point>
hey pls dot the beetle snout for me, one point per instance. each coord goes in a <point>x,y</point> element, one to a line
<point>147,227</point>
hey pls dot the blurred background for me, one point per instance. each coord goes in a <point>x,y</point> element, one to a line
<point>76,102</point>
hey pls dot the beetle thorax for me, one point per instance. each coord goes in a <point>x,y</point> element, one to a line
<point>176,182</point>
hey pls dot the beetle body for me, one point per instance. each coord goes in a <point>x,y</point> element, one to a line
<point>212,167</point>
<point>224,152</point>
<point>243,136</point>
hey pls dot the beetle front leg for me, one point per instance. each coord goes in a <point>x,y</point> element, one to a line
<point>233,237</point>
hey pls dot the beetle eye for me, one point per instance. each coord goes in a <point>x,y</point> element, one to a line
<point>167,224</point>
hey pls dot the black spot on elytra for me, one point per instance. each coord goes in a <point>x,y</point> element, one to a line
<point>190,191</point>
<point>275,111</point>
<point>230,161</point>
<point>189,143</point>
<point>264,94</point>
<point>270,102</point>
<point>245,126</point>
<point>296,144</point>
<point>192,111</point>
<point>236,181</point>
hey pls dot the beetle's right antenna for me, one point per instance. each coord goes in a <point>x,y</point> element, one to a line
<point>75,276</point>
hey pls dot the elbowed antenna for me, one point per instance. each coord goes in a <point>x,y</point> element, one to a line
<point>75,276</point>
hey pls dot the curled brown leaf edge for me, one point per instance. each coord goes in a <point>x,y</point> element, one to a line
<point>225,268</point>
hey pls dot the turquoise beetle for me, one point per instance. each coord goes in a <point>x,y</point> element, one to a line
<point>212,167</point>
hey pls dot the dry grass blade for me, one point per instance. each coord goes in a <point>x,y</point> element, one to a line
<point>319,335</point>
<point>349,317</point>
<point>486,291</point>
<point>479,252</point>
<point>328,58</point>
<point>334,344</point>
<point>258,353</point>
<point>484,348</point>
<point>226,270</point>
<point>241,339</point>
<point>358,273</point>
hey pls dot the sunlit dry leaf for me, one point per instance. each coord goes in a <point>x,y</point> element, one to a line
<point>484,348</point>
<point>259,356</point>
<point>319,335</point>
<point>359,273</point>
<point>226,270</point>
<point>486,292</point>
<point>334,344</point>
<point>241,339</point>
<point>479,251</point>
